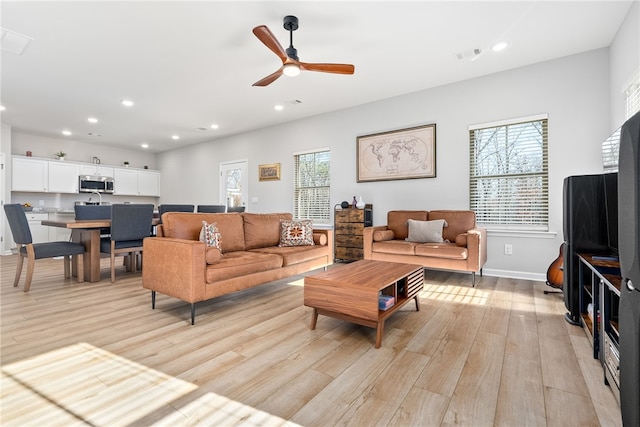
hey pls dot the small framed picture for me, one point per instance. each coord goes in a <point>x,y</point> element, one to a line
<point>269,172</point>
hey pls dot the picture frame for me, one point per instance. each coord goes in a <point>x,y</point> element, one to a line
<point>269,172</point>
<point>408,153</point>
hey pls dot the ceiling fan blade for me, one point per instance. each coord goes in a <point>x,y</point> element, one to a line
<point>264,34</point>
<point>269,79</point>
<point>329,68</point>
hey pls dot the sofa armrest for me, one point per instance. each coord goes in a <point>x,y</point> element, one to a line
<point>367,239</point>
<point>175,267</point>
<point>477,248</point>
<point>329,233</point>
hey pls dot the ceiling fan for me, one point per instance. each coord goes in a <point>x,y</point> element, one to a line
<point>291,66</point>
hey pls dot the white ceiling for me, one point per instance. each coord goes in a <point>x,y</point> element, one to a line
<point>187,65</point>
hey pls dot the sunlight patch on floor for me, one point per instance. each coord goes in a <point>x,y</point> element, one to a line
<point>85,385</point>
<point>459,294</point>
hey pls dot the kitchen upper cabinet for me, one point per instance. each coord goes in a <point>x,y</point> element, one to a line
<point>63,177</point>
<point>96,170</point>
<point>134,182</point>
<point>29,175</point>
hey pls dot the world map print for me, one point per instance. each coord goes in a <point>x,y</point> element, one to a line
<point>399,155</point>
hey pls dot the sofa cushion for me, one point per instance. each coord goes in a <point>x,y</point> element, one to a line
<point>397,221</point>
<point>262,230</point>
<point>212,255</point>
<point>210,235</point>
<point>426,231</point>
<point>381,235</point>
<point>460,221</point>
<point>441,250</point>
<point>319,239</point>
<point>461,240</point>
<point>183,225</point>
<point>294,254</point>
<point>241,263</point>
<point>400,247</point>
<point>296,233</point>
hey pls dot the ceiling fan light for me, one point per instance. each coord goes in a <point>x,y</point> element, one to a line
<point>291,70</point>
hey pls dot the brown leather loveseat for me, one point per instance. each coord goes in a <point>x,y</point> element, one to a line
<point>178,264</point>
<point>439,239</point>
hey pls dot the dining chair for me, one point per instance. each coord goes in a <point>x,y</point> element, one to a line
<point>84,212</point>
<point>212,208</point>
<point>235,209</point>
<point>130,224</point>
<point>32,251</point>
<point>173,208</point>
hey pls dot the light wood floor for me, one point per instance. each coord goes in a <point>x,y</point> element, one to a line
<point>96,354</point>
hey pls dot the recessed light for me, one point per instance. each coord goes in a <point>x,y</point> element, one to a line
<point>66,132</point>
<point>214,126</point>
<point>499,46</point>
<point>144,145</point>
<point>278,107</point>
<point>175,137</point>
<point>92,120</point>
<point>127,102</point>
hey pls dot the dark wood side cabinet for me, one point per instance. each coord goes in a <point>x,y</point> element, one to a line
<point>349,224</point>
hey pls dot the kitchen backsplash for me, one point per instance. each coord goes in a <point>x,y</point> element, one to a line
<point>50,202</point>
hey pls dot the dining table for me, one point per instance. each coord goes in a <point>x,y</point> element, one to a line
<point>87,232</point>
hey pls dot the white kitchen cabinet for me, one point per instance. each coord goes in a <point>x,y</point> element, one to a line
<point>29,174</point>
<point>63,177</point>
<point>39,232</point>
<point>132,182</point>
<point>96,170</point>
<point>148,183</point>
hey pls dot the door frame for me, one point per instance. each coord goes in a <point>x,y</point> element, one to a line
<point>234,164</point>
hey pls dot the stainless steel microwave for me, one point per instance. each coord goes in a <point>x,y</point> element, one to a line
<point>90,183</point>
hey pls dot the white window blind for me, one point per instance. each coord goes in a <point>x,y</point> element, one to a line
<point>632,96</point>
<point>610,149</point>
<point>509,184</point>
<point>312,186</point>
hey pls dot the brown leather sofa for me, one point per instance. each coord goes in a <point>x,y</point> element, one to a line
<point>463,246</point>
<point>177,264</point>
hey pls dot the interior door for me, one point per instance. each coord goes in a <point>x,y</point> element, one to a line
<point>234,183</point>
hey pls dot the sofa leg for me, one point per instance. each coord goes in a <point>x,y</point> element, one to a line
<point>473,279</point>
<point>193,313</point>
<point>153,300</point>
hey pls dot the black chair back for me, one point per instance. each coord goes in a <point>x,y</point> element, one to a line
<point>18,223</point>
<point>212,208</point>
<point>174,208</point>
<point>131,221</point>
<point>92,212</point>
<point>235,209</point>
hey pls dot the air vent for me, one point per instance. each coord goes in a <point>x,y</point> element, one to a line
<point>14,42</point>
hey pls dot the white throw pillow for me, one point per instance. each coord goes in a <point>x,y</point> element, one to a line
<point>426,231</point>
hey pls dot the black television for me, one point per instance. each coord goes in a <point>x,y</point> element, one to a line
<point>611,211</point>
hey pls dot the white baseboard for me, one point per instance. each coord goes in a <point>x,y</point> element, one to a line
<point>515,274</point>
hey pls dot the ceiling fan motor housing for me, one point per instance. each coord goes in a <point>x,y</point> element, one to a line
<point>290,23</point>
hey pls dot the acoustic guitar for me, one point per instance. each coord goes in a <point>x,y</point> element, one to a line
<point>555,275</point>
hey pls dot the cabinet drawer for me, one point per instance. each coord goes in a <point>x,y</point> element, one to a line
<point>349,215</point>
<point>349,228</point>
<point>349,253</point>
<point>348,240</point>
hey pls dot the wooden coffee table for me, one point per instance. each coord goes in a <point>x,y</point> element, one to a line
<point>351,292</point>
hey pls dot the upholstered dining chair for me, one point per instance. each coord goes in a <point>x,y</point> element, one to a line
<point>212,208</point>
<point>235,209</point>
<point>174,208</point>
<point>130,224</point>
<point>32,251</point>
<point>94,212</point>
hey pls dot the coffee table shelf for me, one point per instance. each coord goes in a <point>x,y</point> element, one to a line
<point>351,292</point>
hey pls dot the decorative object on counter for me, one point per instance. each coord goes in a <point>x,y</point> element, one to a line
<point>354,203</point>
<point>344,205</point>
<point>146,167</point>
<point>29,154</point>
<point>126,164</point>
<point>360,204</point>
<point>60,155</point>
<point>27,207</point>
<point>399,154</point>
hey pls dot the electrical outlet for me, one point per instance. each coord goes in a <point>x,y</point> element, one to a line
<point>40,202</point>
<point>508,249</point>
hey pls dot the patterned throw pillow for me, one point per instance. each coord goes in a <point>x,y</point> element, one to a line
<point>296,233</point>
<point>210,235</point>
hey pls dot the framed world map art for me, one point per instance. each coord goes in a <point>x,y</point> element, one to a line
<point>400,154</point>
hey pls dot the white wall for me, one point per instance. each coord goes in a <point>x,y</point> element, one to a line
<point>573,91</point>
<point>625,63</point>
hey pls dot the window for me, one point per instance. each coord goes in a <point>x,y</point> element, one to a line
<point>632,96</point>
<point>311,198</point>
<point>509,184</point>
